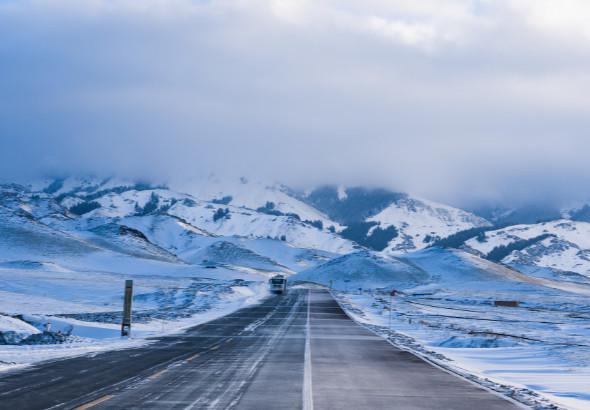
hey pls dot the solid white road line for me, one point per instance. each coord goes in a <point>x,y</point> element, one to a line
<point>307,386</point>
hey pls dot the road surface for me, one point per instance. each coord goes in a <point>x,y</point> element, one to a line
<point>294,351</point>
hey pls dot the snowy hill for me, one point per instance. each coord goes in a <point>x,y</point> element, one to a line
<point>420,222</point>
<point>101,201</point>
<point>271,198</point>
<point>326,218</point>
<point>425,271</point>
<point>389,221</point>
<point>557,249</point>
<point>364,270</point>
<point>226,253</point>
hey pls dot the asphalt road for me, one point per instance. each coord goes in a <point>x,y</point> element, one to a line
<point>294,351</point>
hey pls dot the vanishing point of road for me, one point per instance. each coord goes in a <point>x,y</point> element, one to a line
<point>293,351</point>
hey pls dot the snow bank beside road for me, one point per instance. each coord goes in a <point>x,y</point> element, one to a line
<point>537,353</point>
<point>96,337</point>
<point>537,356</point>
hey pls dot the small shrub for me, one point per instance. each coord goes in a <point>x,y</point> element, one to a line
<point>223,201</point>
<point>221,213</point>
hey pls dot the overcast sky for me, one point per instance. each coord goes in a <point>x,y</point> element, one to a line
<point>457,100</point>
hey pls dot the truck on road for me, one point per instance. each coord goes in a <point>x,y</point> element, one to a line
<point>278,284</point>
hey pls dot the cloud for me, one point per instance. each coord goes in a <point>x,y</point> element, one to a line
<point>457,100</point>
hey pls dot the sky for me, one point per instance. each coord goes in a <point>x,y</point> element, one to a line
<point>463,101</point>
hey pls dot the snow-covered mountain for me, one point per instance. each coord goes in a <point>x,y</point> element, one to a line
<point>267,227</point>
<point>331,219</point>
<point>390,221</point>
<point>90,221</point>
<point>420,222</point>
<point>93,202</point>
<point>556,249</point>
<point>270,198</point>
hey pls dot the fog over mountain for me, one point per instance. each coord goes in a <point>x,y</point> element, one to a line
<point>460,101</point>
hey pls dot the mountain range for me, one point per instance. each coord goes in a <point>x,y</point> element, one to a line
<point>216,221</point>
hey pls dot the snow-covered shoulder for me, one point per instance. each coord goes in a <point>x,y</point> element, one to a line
<point>516,336</point>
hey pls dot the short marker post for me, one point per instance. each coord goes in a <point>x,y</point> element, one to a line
<point>126,323</point>
<point>391,295</point>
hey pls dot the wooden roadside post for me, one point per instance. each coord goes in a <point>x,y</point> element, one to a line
<point>391,295</point>
<point>126,323</point>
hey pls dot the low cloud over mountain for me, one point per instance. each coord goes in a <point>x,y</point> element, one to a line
<point>459,101</point>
